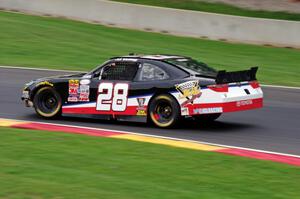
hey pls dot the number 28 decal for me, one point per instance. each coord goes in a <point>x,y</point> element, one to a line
<point>112,96</point>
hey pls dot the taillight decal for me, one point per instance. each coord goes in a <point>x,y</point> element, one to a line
<point>254,84</point>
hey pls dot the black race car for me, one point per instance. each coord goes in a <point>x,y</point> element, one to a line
<point>158,88</point>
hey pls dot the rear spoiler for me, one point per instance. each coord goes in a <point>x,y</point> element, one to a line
<point>224,77</point>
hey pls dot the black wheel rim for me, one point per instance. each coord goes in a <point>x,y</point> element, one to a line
<point>47,101</point>
<point>163,112</point>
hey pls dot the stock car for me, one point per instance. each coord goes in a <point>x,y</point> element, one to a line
<point>161,89</point>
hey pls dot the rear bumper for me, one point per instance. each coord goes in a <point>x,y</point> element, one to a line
<point>240,105</point>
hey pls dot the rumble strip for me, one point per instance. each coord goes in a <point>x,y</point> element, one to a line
<point>188,144</point>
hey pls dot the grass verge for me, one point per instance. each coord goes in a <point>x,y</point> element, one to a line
<point>63,44</point>
<point>39,164</point>
<point>220,8</point>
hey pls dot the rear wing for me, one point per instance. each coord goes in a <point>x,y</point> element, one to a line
<point>224,77</point>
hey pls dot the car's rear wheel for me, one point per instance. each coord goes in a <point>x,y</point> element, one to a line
<point>207,117</point>
<point>164,111</point>
<point>47,102</point>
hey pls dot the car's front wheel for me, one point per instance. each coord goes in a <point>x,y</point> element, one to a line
<point>164,111</point>
<point>47,102</point>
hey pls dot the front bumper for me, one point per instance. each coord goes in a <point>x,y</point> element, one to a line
<point>28,103</point>
<point>26,99</point>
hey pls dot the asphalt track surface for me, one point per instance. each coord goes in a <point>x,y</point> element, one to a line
<point>276,127</point>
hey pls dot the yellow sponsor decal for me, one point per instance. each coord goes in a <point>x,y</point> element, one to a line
<point>188,89</point>
<point>44,83</point>
<point>74,81</point>
<point>190,92</point>
<point>141,112</point>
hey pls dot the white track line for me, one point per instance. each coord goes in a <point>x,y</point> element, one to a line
<point>278,86</point>
<point>40,69</point>
<point>72,71</point>
<point>163,137</point>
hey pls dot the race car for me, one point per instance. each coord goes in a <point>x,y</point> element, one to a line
<point>162,89</point>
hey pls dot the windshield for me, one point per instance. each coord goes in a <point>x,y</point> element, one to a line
<point>193,66</point>
<point>96,71</point>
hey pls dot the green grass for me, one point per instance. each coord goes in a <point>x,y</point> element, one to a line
<point>57,43</point>
<point>216,8</point>
<point>39,164</point>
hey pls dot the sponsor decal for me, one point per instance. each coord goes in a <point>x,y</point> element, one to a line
<point>72,99</point>
<point>184,111</point>
<point>141,109</point>
<point>79,91</point>
<point>85,82</point>
<point>208,110</point>
<point>73,82</point>
<point>73,87</point>
<point>141,112</point>
<point>244,103</point>
<point>84,93</point>
<point>141,102</point>
<point>189,90</point>
<point>44,83</point>
<point>84,89</point>
<point>84,98</point>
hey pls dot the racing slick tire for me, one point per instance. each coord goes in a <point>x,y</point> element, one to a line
<point>207,118</point>
<point>47,102</point>
<point>164,111</point>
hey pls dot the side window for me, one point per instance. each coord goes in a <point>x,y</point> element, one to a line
<point>152,72</point>
<point>125,71</point>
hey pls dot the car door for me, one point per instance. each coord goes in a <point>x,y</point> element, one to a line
<point>150,80</point>
<point>112,87</point>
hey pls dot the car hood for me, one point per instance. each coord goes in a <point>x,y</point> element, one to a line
<point>76,75</point>
<point>56,78</point>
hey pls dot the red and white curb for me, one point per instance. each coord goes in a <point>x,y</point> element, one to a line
<point>175,142</point>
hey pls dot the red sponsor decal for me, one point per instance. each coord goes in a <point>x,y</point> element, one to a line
<point>228,106</point>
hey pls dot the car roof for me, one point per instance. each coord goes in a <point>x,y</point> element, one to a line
<point>151,57</point>
<point>178,71</point>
